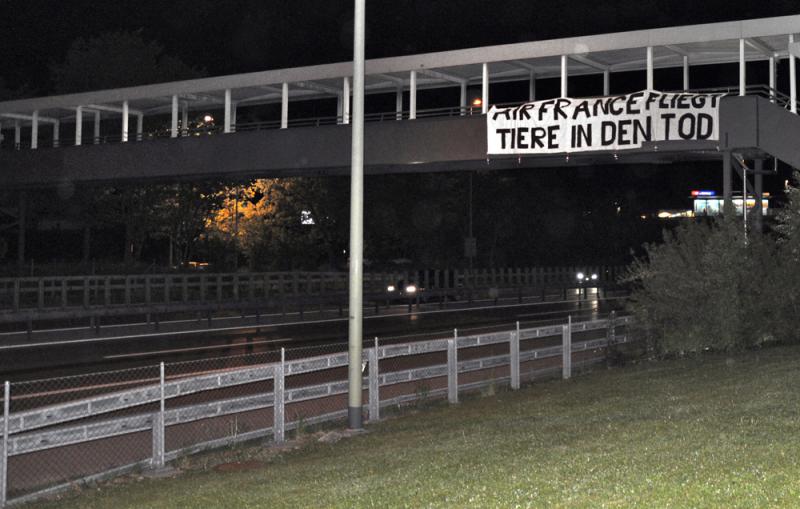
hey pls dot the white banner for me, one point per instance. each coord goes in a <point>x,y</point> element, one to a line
<point>603,123</point>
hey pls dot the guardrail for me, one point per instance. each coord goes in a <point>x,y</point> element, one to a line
<point>59,293</point>
<point>50,448</point>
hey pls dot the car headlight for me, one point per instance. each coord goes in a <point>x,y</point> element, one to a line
<point>580,276</point>
<point>390,288</point>
<point>594,277</point>
<point>411,289</point>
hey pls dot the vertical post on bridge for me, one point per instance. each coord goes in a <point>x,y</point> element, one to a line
<point>742,70</point>
<point>4,457</point>
<point>772,78</point>
<point>412,96</point>
<point>398,103</point>
<point>356,271</point>
<point>173,130</point>
<point>284,105</point>
<point>514,355</point>
<point>279,388</point>
<point>125,119</point>
<point>564,76</point>
<point>485,89</point>
<point>78,125</point>
<point>96,128</point>
<point>566,349</point>
<point>346,100</point>
<point>35,130</point>
<point>374,384</point>
<point>686,72</point>
<point>650,72</point>
<point>792,78</point>
<point>452,368</point>
<point>531,86</point>
<point>228,119</point>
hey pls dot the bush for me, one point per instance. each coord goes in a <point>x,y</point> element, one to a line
<point>703,289</point>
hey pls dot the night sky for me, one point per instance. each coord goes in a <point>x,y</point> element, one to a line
<point>233,36</point>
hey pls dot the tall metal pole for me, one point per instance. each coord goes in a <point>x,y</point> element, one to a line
<point>355,309</point>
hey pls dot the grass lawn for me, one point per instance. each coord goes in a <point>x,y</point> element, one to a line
<point>721,431</point>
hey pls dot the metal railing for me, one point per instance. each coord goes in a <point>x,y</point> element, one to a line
<point>65,292</point>
<point>53,441</point>
<point>760,90</point>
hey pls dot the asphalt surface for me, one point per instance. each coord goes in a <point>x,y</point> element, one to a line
<point>55,358</point>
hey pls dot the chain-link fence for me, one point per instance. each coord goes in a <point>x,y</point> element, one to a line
<point>64,432</point>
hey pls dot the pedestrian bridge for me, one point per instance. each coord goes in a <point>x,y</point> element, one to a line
<point>48,138</point>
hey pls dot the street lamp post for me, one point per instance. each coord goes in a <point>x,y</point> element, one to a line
<point>355,308</point>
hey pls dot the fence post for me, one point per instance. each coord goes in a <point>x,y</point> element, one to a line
<point>611,333</point>
<point>452,368</point>
<point>566,349</point>
<point>277,404</point>
<point>158,425</point>
<point>514,351</point>
<point>4,457</point>
<point>374,384</point>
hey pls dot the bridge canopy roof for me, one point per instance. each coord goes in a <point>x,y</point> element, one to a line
<point>714,43</point>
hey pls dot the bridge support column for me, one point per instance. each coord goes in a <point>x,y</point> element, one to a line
<point>727,184</point>
<point>78,125</point>
<point>56,132</point>
<point>650,74</point>
<point>462,102</point>
<point>606,82</point>
<point>759,188</point>
<point>412,96</point>
<point>564,88</point>
<point>485,89</point>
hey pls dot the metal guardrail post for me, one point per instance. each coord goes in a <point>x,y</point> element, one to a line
<point>452,368</point>
<point>374,384</point>
<point>278,426</point>
<point>4,457</point>
<point>158,427</point>
<point>514,354</point>
<point>566,349</point>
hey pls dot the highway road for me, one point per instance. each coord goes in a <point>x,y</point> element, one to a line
<point>55,357</point>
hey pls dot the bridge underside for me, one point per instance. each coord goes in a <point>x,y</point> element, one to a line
<point>423,145</point>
